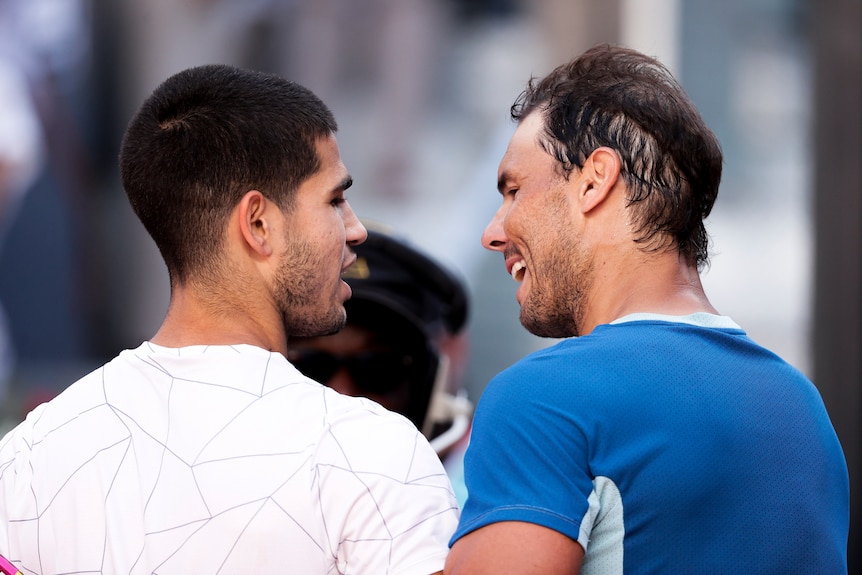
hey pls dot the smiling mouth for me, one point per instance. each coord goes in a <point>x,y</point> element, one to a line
<point>518,271</point>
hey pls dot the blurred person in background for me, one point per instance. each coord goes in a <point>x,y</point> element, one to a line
<point>404,344</point>
<point>21,159</point>
<point>44,57</point>
<point>204,450</point>
<point>657,437</point>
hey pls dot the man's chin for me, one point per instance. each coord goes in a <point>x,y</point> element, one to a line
<point>337,326</point>
<point>552,327</point>
<point>319,327</point>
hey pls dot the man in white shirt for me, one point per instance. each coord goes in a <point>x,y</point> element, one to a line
<point>204,450</point>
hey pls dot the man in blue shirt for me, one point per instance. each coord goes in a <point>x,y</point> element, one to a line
<point>659,438</point>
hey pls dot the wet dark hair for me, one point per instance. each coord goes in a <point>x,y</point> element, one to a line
<point>671,161</point>
<point>205,137</point>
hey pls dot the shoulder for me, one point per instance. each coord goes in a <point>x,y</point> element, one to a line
<point>379,480</point>
<point>366,445</point>
<point>569,365</point>
<point>605,340</point>
<point>362,433</point>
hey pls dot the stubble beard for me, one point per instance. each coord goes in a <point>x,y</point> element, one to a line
<point>554,306</point>
<point>301,293</point>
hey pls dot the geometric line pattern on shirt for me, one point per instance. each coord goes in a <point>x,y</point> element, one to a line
<point>139,450</point>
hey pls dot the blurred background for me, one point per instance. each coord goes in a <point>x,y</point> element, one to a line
<point>421,90</point>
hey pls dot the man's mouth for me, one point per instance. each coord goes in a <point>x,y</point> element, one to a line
<point>351,260</point>
<point>518,270</point>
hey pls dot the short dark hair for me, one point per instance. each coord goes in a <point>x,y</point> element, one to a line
<point>671,161</point>
<point>205,137</point>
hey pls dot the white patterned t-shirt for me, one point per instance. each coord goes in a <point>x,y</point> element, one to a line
<point>219,459</point>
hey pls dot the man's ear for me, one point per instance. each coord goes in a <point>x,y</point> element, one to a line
<point>254,212</point>
<point>601,171</point>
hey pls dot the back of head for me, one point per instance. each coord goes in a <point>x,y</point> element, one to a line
<point>201,140</point>
<point>671,161</point>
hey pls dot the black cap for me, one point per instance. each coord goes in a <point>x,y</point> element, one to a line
<point>392,274</point>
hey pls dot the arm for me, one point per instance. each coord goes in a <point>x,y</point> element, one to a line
<point>528,481</point>
<point>515,547</point>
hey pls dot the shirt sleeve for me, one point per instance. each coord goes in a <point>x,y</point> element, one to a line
<point>528,458</point>
<point>385,496</point>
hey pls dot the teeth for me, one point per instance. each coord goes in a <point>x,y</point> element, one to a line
<point>518,271</point>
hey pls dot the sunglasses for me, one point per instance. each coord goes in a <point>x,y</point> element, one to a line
<point>376,372</point>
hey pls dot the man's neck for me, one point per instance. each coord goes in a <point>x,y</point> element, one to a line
<point>195,319</point>
<point>654,283</point>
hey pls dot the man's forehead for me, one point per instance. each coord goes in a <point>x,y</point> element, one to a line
<point>525,140</point>
<point>529,129</point>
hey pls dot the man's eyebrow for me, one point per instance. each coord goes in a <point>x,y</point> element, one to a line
<point>345,184</point>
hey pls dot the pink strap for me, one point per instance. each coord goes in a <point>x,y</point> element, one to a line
<point>7,568</point>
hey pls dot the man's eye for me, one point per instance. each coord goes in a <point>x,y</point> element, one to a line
<point>337,202</point>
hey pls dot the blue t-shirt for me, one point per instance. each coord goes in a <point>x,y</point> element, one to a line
<point>664,447</point>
